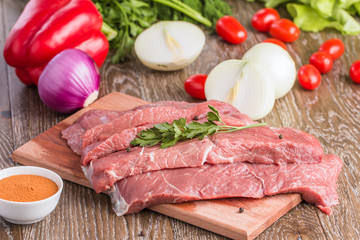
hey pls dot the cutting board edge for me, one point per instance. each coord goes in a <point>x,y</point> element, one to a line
<point>209,224</point>
<point>23,159</point>
<point>295,200</point>
<point>218,227</point>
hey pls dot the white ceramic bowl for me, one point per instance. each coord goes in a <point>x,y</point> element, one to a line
<point>29,212</point>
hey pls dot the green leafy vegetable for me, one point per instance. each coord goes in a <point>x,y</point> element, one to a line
<point>124,20</point>
<point>185,9</point>
<point>316,15</point>
<point>308,19</point>
<point>169,134</point>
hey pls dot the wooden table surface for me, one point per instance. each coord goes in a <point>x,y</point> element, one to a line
<point>331,113</point>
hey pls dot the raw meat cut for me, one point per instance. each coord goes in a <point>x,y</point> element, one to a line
<point>253,162</point>
<point>117,142</point>
<point>155,115</point>
<point>74,133</point>
<point>259,145</point>
<point>121,141</point>
<point>315,182</point>
<point>90,119</point>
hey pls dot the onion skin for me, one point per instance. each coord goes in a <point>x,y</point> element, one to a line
<point>276,63</point>
<point>68,80</point>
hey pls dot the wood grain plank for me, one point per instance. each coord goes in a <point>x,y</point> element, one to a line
<point>7,231</point>
<point>5,112</point>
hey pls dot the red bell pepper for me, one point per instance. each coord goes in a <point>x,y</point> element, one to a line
<point>45,28</point>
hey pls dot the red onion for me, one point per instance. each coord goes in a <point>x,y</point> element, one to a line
<point>69,81</point>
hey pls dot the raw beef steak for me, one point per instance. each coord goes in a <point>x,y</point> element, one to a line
<point>154,115</point>
<point>121,141</point>
<point>315,182</point>
<point>258,145</point>
<point>74,133</point>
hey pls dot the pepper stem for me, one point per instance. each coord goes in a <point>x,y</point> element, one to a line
<point>109,32</point>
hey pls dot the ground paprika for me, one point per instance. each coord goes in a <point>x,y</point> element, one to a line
<point>26,188</point>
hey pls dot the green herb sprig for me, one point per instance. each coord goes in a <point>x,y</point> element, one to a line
<point>168,134</point>
<point>124,20</point>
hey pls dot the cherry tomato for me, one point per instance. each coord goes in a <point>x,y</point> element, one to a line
<point>355,71</point>
<point>263,19</point>
<point>284,30</point>
<point>195,84</point>
<point>309,77</point>
<point>276,41</point>
<point>335,47</point>
<point>322,61</point>
<point>231,30</point>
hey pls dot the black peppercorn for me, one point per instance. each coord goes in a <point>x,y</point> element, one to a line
<point>241,210</point>
<point>196,118</point>
<point>280,136</point>
<point>128,149</point>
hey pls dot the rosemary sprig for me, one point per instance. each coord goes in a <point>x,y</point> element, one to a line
<point>169,134</point>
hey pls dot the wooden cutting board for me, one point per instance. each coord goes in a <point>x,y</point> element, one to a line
<point>221,216</point>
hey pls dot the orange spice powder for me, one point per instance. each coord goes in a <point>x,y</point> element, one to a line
<point>26,188</point>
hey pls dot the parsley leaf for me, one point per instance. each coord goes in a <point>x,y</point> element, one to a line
<point>169,134</point>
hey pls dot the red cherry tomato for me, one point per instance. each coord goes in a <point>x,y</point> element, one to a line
<point>195,84</point>
<point>231,30</point>
<point>335,47</point>
<point>263,19</point>
<point>276,41</point>
<point>284,30</point>
<point>309,77</point>
<point>322,61</point>
<point>355,71</point>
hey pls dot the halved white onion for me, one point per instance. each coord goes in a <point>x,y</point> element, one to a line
<point>242,84</point>
<point>169,45</point>
<point>275,63</point>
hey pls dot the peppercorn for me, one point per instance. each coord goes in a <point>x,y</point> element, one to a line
<point>280,136</point>
<point>196,118</point>
<point>128,149</point>
<point>241,210</point>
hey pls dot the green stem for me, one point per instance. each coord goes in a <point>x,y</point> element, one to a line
<point>109,32</point>
<point>185,9</point>
<point>124,14</point>
<point>127,24</point>
<point>233,128</point>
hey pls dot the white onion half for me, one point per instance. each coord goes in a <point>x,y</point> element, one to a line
<point>275,63</point>
<point>242,84</point>
<point>169,45</point>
